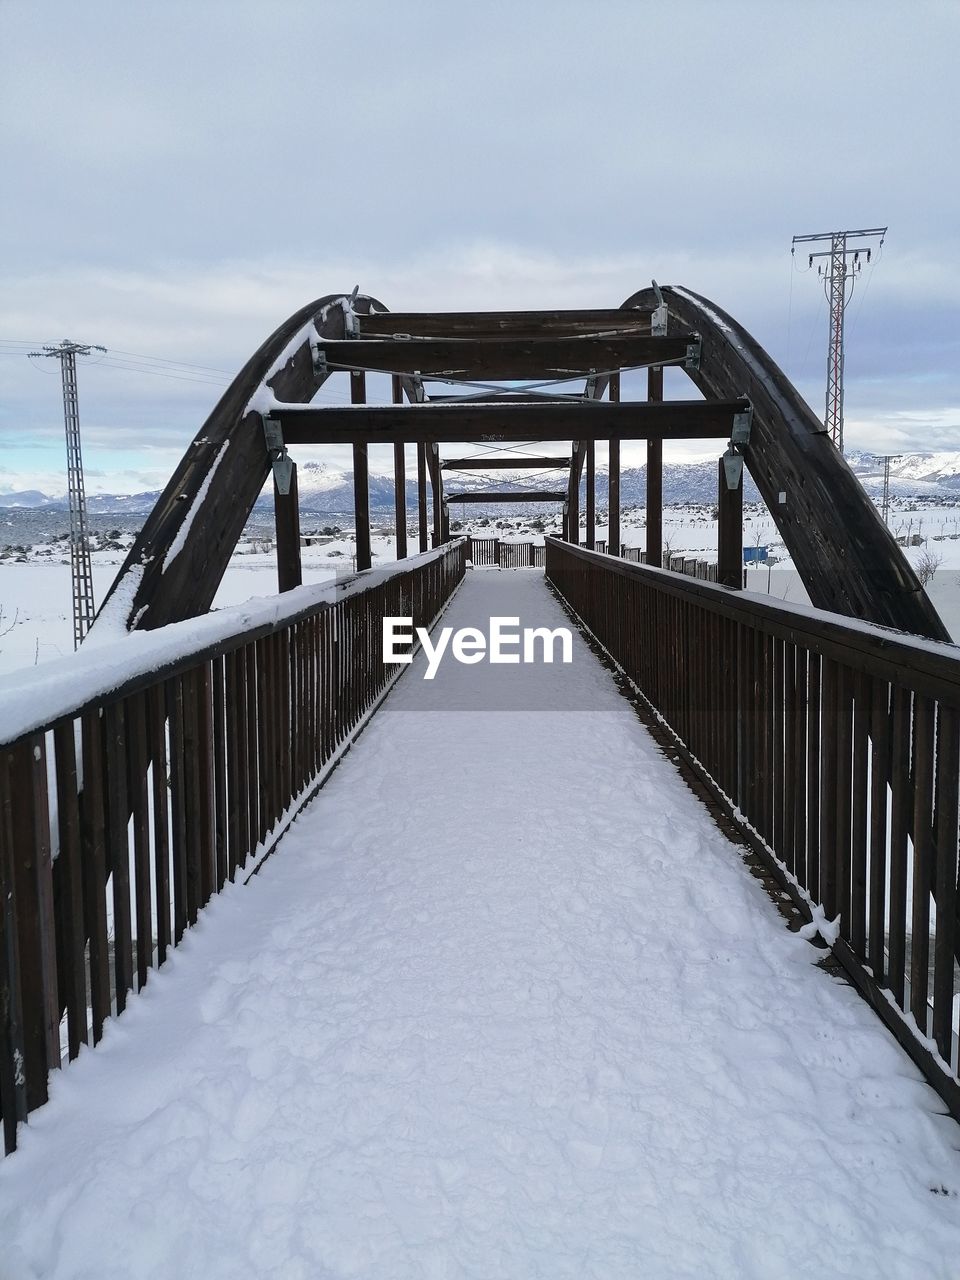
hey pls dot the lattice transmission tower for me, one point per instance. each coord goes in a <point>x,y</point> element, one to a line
<point>838,282</point>
<point>80,567</point>
<point>885,503</point>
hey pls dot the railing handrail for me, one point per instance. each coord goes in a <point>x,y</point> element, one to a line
<point>934,665</point>
<point>36,699</point>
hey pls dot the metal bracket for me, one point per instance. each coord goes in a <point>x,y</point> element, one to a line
<point>732,467</point>
<point>281,461</point>
<point>418,391</point>
<point>659,319</point>
<point>590,392</point>
<point>694,346</point>
<point>742,423</point>
<point>320,369</point>
<point>351,324</point>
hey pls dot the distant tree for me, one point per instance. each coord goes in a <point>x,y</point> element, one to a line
<point>928,562</point>
<point>6,626</point>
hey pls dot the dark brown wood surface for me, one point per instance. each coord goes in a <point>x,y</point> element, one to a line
<point>519,462</point>
<point>496,324</point>
<point>613,477</point>
<point>500,359</point>
<point>729,531</point>
<point>286,507</point>
<point>599,420</point>
<point>509,495</point>
<point>654,495</point>
<point>169,587</point>
<point>361,481</point>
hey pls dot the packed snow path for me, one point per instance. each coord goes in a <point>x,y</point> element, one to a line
<point>505,1003</point>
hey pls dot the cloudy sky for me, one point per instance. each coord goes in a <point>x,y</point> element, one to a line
<point>178,177</point>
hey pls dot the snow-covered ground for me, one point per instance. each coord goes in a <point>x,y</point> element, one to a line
<point>35,620</point>
<point>35,602</point>
<point>504,1003</point>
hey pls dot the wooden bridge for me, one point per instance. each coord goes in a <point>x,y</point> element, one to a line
<point>170,756</point>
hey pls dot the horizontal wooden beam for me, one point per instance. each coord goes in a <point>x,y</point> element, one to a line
<point>506,397</point>
<point>479,324</point>
<point>496,424</point>
<point>509,495</point>
<point>502,358</point>
<point>523,463</point>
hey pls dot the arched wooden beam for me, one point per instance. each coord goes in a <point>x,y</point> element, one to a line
<point>847,558</point>
<point>176,564</point>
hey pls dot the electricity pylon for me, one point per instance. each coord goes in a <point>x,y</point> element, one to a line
<point>836,277</point>
<point>80,567</point>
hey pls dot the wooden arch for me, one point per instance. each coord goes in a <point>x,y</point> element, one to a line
<point>176,564</point>
<point>848,560</point>
<point>846,556</point>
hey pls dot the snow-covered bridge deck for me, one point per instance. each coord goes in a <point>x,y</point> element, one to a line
<point>505,1003</point>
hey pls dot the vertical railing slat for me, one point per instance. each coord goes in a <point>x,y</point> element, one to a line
<point>159,790</point>
<point>93,810</point>
<point>71,958</point>
<point>923,777</point>
<point>945,876</point>
<point>137,791</point>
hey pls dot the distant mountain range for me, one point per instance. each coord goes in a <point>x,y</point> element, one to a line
<point>326,491</point>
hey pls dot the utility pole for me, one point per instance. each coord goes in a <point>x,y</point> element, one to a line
<point>885,505</point>
<point>843,269</point>
<point>80,568</point>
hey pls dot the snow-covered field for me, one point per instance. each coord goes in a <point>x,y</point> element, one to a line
<point>35,619</point>
<point>35,602</point>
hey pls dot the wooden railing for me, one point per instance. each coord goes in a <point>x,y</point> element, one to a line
<point>121,814</point>
<point>835,745</point>
<point>487,552</point>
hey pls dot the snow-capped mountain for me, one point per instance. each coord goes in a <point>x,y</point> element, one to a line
<point>326,490</point>
<point>911,474</point>
<point>26,498</point>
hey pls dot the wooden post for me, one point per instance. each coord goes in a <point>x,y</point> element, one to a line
<point>729,532</point>
<point>436,481</point>
<point>591,538</point>
<point>422,494</point>
<point>33,893</point>
<point>613,480</point>
<point>286,515</point>
<point>400,499</point>
<point>13,1094</point>
<point>361,480</point>
<point>399,480</point>
<point>655,478</point>
<point>573,498</point>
